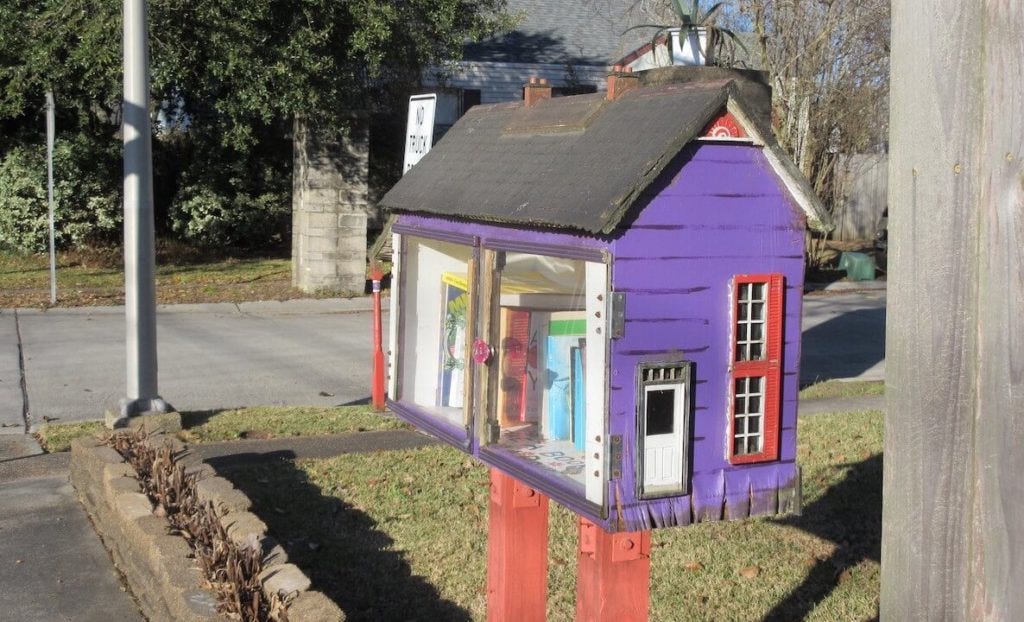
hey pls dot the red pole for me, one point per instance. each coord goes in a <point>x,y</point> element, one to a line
<point>517,552</point>
<point>378,342</point>
<point>613,575</point>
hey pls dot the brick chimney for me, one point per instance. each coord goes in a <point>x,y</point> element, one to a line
<point>620,80</point>
<point>536,90</point>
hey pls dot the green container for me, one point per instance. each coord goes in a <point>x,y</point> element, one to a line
<point>858,266</point>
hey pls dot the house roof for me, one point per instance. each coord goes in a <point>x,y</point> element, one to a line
<point>581,162</point>
<point>574,32</point>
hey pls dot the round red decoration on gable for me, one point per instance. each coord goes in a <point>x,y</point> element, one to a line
<point>724,126</point>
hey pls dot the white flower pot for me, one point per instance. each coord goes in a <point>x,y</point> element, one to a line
<point>689,45</point>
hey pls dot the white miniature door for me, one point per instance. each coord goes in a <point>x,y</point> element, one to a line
<point>663,429</point>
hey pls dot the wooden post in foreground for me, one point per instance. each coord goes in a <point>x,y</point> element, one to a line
<point>613,577</point>
<point>517,552</point>
<point>953,514</point>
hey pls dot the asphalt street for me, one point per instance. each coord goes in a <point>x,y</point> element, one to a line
<point>69,364</point>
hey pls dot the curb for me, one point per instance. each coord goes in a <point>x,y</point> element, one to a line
<point>294,306</point>
<point>157,566</point>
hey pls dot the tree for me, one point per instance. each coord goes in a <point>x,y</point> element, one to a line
<point>829,68</point>
<point>227,77</point>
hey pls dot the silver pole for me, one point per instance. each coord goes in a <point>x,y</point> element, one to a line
<point>139,263</point>
<point>51,126</point>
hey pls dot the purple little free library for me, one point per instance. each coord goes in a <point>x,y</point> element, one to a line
<point>600,296</point>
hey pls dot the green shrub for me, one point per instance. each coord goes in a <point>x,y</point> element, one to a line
<point>87,178</point>
<point>208,217</point>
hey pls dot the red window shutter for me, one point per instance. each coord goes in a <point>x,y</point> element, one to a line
<point>769,368</point>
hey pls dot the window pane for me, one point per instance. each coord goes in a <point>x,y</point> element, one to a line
<point>753,425</point>
<point>541,342</point>
<point>742,332</point>
<point>744,311</point>
<point>758,291</point>
<point>434,301</point>
<point>660,407</point>
<point>756,352</point>
<point>756,331</point>
<point>753,444</point>
<point>757,311</point>
<point>754,404</point>
<point>745,291</point>
<point>754,384</point>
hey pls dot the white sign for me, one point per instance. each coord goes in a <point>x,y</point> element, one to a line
<point>419,134</point>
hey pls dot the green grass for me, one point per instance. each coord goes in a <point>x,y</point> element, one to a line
<point>258,422</point>
<point>96,278</point>
<point>275,422</point>
<point>395,535</point>
<point>57,437</point>
<point>842,388</point>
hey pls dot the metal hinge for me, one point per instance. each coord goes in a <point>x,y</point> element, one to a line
<point>618,328</point>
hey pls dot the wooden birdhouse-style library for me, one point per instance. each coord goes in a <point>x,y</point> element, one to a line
<point>600,296</point>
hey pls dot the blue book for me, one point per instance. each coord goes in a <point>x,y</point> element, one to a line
<point>578,386</point>
<point>565,332</point>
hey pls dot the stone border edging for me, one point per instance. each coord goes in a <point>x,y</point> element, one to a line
<point>161,575</point>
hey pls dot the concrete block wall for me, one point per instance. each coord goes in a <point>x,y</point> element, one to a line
<point>330,208</point>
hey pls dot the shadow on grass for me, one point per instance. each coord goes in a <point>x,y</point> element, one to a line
<point>340,547</point>
<point>849,515</point>
<point>195,418</point>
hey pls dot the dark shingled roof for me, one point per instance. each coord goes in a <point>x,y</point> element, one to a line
<point>573,162</point>
<point>578,32</point>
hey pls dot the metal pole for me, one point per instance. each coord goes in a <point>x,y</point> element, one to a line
<point>51,126</point>
<point>139,263</point>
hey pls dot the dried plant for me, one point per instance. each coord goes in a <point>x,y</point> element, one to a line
<point>231,571</point>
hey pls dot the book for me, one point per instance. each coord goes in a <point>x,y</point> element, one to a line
<point>514,339</point>
<point>566,331</point>
<point>451,382</point>
<point>578,394</point>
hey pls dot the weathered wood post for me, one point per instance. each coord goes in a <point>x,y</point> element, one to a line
<point>517,552</point>
<point>953,517</point>
<point>613,575</point>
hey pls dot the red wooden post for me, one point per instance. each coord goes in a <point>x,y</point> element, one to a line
<point>613,575</point>
<point>377,384</point>
<point>517,552</point>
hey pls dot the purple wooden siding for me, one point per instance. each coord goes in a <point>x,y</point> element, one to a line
<point>720,211</point>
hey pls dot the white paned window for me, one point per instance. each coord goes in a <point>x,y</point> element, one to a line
<point>748,429</point>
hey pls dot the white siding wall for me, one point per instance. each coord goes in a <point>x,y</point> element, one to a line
<point>502,82</point>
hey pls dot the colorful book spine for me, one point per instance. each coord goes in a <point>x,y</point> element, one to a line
<point>512,380</point>
<point>578,391</point>
<point>453,340</point>
<point>565,331</point>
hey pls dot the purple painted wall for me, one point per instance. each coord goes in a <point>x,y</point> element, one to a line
<point>718,211</point>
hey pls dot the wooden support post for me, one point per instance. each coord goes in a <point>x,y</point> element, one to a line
<point>613,578</point>
<point>953,495</point>
<point>517,552</point>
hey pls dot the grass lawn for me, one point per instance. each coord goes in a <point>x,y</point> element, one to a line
<point>96,278</point>
<point>402,535</point>
<point>260,422</point>
<point>276,421</point>
<point>842,388</point>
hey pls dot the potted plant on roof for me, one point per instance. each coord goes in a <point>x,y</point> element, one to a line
<point>697,37</point>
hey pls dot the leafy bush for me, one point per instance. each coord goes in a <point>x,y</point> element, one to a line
<point>207,217</point>
<point>86,192</point>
